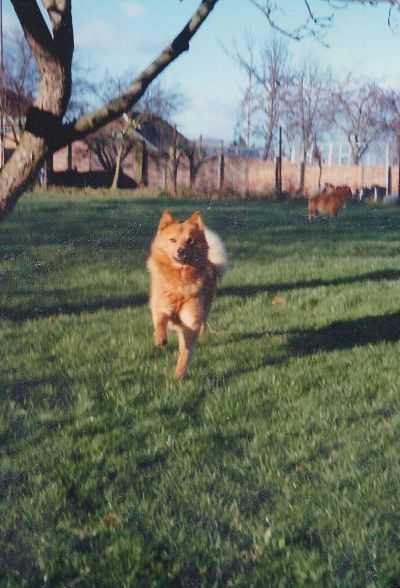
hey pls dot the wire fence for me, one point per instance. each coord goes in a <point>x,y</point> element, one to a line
<point>333,153</point>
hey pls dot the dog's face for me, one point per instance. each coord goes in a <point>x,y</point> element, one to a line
<point>183,242</point>
<point>344,191</point>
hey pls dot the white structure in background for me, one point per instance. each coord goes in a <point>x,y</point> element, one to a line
<point>339,153</point>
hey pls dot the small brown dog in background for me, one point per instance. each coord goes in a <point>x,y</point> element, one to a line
<point>186,259</point>
<point>329,202</point>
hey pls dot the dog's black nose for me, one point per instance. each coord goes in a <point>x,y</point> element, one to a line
<point>181,252</point>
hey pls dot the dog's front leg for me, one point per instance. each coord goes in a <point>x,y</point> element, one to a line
<point>187,340</point>
<point>160,322</point>
<point>191,319</point>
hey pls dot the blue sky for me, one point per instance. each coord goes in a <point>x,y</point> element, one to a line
<point>121,35</point>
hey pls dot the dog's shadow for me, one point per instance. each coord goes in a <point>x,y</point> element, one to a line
<point>344,335</point>
<point>339,335</point>
<point>254,289</point>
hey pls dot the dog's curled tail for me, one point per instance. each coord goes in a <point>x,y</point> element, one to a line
<point>217,255</point>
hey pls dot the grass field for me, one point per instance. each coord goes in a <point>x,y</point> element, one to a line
<point>276,463</point>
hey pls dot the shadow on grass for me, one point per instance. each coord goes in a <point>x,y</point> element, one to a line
<point>18,315</point>
<point>22,391</point>
<point>341,335</point>
<point>253,290</point>
<point>337,336</point>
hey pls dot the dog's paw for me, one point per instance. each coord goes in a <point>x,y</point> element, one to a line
<point>180,373</point>
<point>160,340</point>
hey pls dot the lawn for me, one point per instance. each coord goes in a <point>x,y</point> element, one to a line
<point>275,463</point>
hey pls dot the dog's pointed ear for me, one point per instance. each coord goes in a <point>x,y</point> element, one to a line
<point>165,220</point>
<point>196,219</point>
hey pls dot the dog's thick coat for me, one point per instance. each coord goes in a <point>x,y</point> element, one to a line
<point>186,259</point>
<point>328,202</point>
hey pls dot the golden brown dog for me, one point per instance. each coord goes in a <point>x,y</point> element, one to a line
<point>328,202</point>
<point>186,259</point>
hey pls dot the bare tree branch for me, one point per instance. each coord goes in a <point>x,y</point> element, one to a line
<point>123,103</point>
<point>313,25</point>
<point>45,131</point>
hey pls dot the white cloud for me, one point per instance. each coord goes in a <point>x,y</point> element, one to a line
<point>132,9</point>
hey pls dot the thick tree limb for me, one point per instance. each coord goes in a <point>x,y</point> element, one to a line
<point>35,29</point>
<point>45,131</point>
<point>92,121</point>
<point>44,118</point>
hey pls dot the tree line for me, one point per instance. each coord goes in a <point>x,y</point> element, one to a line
<point>309,103</point>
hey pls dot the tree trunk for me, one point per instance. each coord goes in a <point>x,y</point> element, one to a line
<point>319,174</point>
<point>53,53</point>
<point>174,162</point>
<point>192,171</point>
<point>267,147</point>
<point>141,164</point>
<point>175,181</point>
<point>117,172</point>
<point>144,181</point>
<point>47,172</point>
<point>69,157</point>
<point>45,131</point>
<point>302,176</point>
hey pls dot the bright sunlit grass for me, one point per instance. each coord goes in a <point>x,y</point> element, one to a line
<point>276,463</point>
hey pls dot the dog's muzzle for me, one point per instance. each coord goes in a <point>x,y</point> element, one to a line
<point>183,256</point>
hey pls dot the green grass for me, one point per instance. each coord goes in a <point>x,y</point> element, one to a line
<point>276,463</point>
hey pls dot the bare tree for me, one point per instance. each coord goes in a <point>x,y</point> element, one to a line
<point>162,102</point>
<point>83,91</point>
<point>114,142</point>
<point>306,107</point>
<point>196,155</point>
<point>356,111</point>
<point>272,79</point>
<point>53,47</point>
<point>20,80</point>
<point>246,125</point>
<point>266,76</point>
<point>314,23</point>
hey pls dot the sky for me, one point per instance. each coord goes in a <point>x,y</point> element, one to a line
<point>125,35</point>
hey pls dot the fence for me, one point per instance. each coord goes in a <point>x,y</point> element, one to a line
<point>219,172</point>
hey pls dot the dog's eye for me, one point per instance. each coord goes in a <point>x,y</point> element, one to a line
<point>190,241</point>
<point>172,240</point>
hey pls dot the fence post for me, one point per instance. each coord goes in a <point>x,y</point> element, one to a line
<point>278,168</point>
<point>69,157</point>
<point>388,179</point>
<point>221,168</point>
<point>302,176</point>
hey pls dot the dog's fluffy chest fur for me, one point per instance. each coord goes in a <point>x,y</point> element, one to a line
<point>177,286</point>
